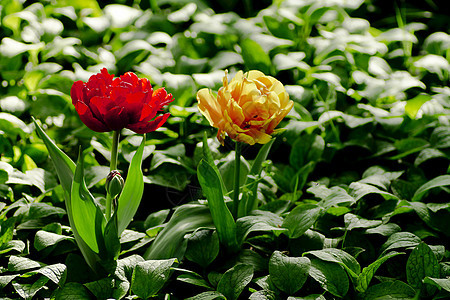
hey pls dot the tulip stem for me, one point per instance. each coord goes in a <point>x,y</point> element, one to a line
<point>112,167</point>
<point>237,168</point>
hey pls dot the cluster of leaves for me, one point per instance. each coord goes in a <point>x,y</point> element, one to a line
<point>354,196</point>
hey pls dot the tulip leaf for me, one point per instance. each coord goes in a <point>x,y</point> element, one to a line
<point>65,168</point>
<point>132,191</point>
<point>248,202</point>
<point>211,184</point>
<point>87,216</point>
<point>170,242</point>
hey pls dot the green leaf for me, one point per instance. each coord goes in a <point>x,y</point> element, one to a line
<point>339,256</point>
<point>102,289</point>
<point>258,221</point>
<point>111,238</point>
<point>132,192</point>
<point>87,216</point>
<point>19,263</point>
<point>389,290</point>
<point>13,126</point>
<point>249,200</point>
<point>441,283</point>
<point>421,263</point>
<point>255,58</point>
<point>44,239</point>
<point>210,182</point>
<point>195,279</point>
<point>353,221</point>
<point>210,295</point>
<point>331,276</point>
<point>234,281</point>
<point>170,241</point>
<point>301,219</point>
<point>56,273</point>
<point>203,247</point>
<point>305,149</point>
<point>288,273</point>
<point>27,290</point>
<point>73,290</point>
<point>400,240</point>
<point>65,168</point>
<point>439,181</point>
<point>413,105</point>
<point>368,272</point>
<point>149,277</point>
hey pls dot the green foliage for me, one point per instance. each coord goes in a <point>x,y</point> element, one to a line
<point>351,197</point>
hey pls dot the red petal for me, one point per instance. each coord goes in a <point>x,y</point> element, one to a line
<point>146,127</point>
<point>147,113</point>
<point>76,92</point>
<point>116,118</point>
<point>88,118</point>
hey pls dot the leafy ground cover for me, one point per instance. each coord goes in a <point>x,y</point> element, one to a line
<point>354,194</point>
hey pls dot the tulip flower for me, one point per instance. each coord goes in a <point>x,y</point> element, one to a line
<point>247,109</point>
<point>107,104</point>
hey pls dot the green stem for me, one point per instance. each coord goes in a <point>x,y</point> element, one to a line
<point>237,168</point>
<point>112,167</point>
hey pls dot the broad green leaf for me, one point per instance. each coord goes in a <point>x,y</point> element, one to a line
<point>149,277</point>
<point>359,190</point>
<point>16,245</point>
<point>413,105</point>
<point>439,181</point>
<point>389,290</point>
<point>13,126</point>
<point>203,247</point>
<point>368,272</point>
<point>353,221</point>
<point>421,263</point>
<point>288,273</point>
<point>73,290</point>
<point>301,219</point>
<point>234,281</point>
<point>102,289</point>
<point>170,242</point>
<point>195,279</point>
<point>331,276</point>
<point>210,182</point>
<point>132,192</point>
<point>339,256</point>
<point>440,138</point>
<point>19,263</point>
<point>44,239</point>
<point>400,240</point>
<point>56,273</point>
<point>258,221</point>
<point>441,283</point>
<point>156,218</point>
<point>305,149</point>
<point>87,216</point>
<point>6,279</point>
<point>210,295</point>
<point>28,290</point>
<point>255,58</point>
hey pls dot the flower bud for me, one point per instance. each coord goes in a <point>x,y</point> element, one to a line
<point>114,183</point>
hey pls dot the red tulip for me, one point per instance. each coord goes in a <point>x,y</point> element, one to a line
<point>107,104</point>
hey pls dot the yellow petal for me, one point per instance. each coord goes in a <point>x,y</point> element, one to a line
<point>209,107</point>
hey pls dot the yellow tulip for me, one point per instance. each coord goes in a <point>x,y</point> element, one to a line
<point>247,109</point>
